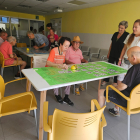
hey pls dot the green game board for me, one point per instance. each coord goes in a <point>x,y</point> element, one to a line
<point>55,76</point>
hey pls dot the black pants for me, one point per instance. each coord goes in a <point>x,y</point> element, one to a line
<point>112,60</point>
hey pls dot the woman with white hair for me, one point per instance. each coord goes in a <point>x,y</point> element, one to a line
<point>116,47</point>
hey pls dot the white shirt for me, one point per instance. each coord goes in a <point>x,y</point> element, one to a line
<point>136,42</point>
<point>1,40</point>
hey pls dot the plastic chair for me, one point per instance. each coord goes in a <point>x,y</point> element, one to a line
<point>133,102</point>
<point>94,52</point>
<point>16,103</point>
<point>74,126</point>
<point>2,60</point>
<point>21,45</point>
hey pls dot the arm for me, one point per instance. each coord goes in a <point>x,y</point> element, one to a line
<point>68,62</point>
<point>84,61</point>
<point>43,45</point>
<point>109,50</point>
<point>122,54</point>
<point>121,86</point>
<point>51,64</point>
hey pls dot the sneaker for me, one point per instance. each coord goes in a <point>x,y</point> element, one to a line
<point>103,83</point>
<point>68,101</point>
<point>77,91</point>
<point>82,87</point>
<point>113,112</point>
<point>17,76</point>
<point>59,99</point>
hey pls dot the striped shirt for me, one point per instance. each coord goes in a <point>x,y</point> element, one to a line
<point>55,57</point>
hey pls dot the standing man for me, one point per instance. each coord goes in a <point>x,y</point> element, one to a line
<point>3,36</point>
<point>74,56</point>
<point>41,40</point>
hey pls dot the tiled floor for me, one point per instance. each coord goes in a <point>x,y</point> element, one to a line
<point>22,126</point>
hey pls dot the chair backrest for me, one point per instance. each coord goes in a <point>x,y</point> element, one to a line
<point>76,126</point>
<point>21,45</point>
<point>95,50</point>
<point>135,99</point>
<point>85,48</point>
<point>2,87</point>
<point>103,54</point>
<point>1,60</point>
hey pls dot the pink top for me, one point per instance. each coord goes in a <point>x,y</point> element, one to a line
<point>74,56</point>
<point>6,50</point>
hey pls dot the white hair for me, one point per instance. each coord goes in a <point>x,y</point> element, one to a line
<point>124,23</point>
<point>11,39</point>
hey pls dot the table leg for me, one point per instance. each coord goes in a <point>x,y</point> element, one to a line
<point>42,100</point>
<point>99,86</point>
<point>31,62</point>
<point>28,85</point>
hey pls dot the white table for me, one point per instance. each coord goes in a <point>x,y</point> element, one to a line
<point>41,85</point>
<point>32,52</point>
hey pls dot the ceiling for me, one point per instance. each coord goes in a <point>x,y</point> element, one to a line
<point>36,7</point>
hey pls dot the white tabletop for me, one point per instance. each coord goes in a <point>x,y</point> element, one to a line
<point>41,85</point>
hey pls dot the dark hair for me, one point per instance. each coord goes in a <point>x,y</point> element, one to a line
<point>3,32</point>
<point>31,28</point>
<point>63,39</point>
<point>49,25</point>
<point>52,29</point>
<point>131,38</point>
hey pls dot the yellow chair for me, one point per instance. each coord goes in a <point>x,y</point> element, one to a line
<point>2,60</point>
<point>133,102</point>
<point>21,45</point>
<point>17,103</point>
<point>74,126</point>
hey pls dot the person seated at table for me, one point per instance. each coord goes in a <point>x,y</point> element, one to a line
<point>57,59</point>
<point>74,56</point>
<point>41,40</point>
<point>131,80</point>
<point>53,43</point>
<point>52,33</point>
<point>3,36</point>
<point>12,59</point>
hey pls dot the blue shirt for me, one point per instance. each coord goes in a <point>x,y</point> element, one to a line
<point>41,39</point>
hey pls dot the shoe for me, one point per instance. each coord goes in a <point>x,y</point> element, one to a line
<point>17,76</point>
<point>77,91</point>
<point>59,99</point>
<point>114,84</point>
<point>82,87</point>
<point>113,112</point>
<point>68,101</point>
<point>103,83</point>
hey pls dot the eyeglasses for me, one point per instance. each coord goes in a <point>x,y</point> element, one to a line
<point>77,42</point>
<point>51,38</point>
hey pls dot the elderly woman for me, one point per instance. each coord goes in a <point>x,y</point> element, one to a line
<point>116,47</point>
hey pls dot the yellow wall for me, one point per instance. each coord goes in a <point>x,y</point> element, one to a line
<point>20,15</point>
<point>101,19</point>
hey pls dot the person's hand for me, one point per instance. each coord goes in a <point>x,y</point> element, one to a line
<point>108,56</point>
<point>35,47</point>
<point>119,63</point>
<point>15,56</point>
<point>63,66</point>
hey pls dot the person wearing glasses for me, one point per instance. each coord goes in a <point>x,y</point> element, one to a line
<point>54,43</point>
<point>74,56</point>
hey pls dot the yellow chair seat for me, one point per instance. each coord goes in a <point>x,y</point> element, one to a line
<point>18,105</point>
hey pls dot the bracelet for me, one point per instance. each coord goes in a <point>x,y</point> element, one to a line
<point>120,59</point>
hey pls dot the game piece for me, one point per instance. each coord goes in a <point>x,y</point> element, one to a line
<point>89,72</point>
<point>73,67</point>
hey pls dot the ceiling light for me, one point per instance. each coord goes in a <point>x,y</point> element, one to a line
<point>76,2</point>
<point>58,10</point>
<point>24,6</point>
